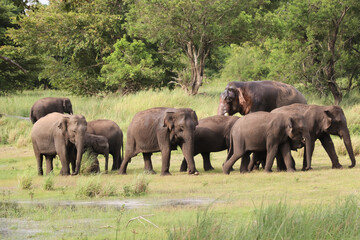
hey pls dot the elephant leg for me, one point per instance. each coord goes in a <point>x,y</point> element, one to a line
<point>286,154</point>
<point>206,161</point>
<point>271,153</point>
<point>49,164</point>
<point>63,155</point>
<point>308,152</point>
<point>183,167</point>
<point>106,155</point>
<point>39,160</point>
<point>116,160</point>
<point>148,167</point>
<point>280,162</point>
<point>245,163</point>
<point>258,158</point>
<point>165,162</point>
<point>124,164</point>
<point>230,161</point>
<point>330,150</point>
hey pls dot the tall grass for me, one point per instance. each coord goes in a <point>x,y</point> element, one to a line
<point>339,220</point>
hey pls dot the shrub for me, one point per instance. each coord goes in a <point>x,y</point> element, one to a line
<point>49,183</point>
<point>138,187</point>
<point>91,187</point>
<point>25,181</point>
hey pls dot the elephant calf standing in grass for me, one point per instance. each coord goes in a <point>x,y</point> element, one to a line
<point>57,134</point>
<point>114,136</point>
<point>99,144</point>
<point>262,131</point>
<point>44,106</point>
<point>211,135</point>
<point>161,130</point>
<point>323,121</point>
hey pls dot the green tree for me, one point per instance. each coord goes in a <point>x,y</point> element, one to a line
<point>194,27</point>
<point>131,67</point>
<point>73,37</point>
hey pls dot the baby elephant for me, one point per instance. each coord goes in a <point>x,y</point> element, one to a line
<point>262,131</point>
<point>211,135</point>
<point>99,144</point>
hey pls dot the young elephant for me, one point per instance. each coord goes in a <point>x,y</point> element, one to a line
<point>262,131</point>
<point>44,106</point>
<point>99,144</point>
<point>161,129</point>
<point>323,121</point>
<point>114,135</point>
<point>58,134</point>
<point>211,135</point>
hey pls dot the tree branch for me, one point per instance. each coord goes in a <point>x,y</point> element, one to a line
<point>13,63</point>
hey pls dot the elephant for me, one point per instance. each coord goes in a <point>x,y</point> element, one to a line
<point>44,106</point>
<point>99,144</point>
<point>58,133</point>
<point>114,135</point>
<point>161,130</point>
<point>323,121</point>
<point>211,135</point>
<point>249,97</point>
<point>262,131</point>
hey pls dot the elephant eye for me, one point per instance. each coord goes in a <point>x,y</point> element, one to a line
<point>181,128</point>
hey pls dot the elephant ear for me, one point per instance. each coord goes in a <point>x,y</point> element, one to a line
<point>63,125</point>
<point>194,117</point>
<point>244,101</point>
<point>327,120</point>
<point>169,120</point>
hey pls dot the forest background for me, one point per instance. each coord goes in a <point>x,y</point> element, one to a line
<point>97,47</point>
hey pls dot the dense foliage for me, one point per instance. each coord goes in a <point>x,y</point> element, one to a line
<point>89,47</point>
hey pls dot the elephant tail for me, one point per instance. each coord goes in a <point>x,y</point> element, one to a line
<point>122,153</point>
<point>32,117</point>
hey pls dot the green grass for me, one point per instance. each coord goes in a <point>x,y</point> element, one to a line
<point>319,204</point>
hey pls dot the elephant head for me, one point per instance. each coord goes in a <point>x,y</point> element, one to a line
<point>181,125</point>
<point>73,129</point>
<point>67,106</point>
<point>234,100</point>
<point>295,130</point>
<point>334,122</point>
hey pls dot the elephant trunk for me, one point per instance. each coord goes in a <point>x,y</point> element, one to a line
<point>188,152</point>
<point>80,144</point>
<point>347,142</point>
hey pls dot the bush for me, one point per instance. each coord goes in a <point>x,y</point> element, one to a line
<point>25,181</point>
<point>138,187</point>
<point>49,183</point>
<point>91,187</point>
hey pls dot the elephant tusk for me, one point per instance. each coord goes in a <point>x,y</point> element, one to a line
<point>226,114</point>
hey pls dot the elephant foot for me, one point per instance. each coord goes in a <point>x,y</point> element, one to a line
<point>74,173</point>
<point>338,166</point>
<point>183,169</point>
<point>149,171</point>
<point>193,172</point>
<point>352,165</point>
<point>306,169</point>
<point>40,173</point>
<point>290,170</point>
<point>268,171</point>
<point>122,173</point>
<point>209,168</point>
<point>165,174</point>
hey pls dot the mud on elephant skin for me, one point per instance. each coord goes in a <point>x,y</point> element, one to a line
<point>161,130</point>
<point>322,122</point>
<point>211,135</point>
<point>263,131</point>
<point>114,135</point>
<point>44,106</point>
<point>248,97</point>
<point>57,134</point>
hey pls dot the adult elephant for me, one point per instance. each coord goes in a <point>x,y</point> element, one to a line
<point>114,135</point>
<point>211,135</point>
<point>57,134</point>
<point>263,131</point>
<point>44,106</point>
<point>248,97</point>
<point>161,130</point>
<point>323,121</point>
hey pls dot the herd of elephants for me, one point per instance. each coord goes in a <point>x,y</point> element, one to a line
<point>277,119</point>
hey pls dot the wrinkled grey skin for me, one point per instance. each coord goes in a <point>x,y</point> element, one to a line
<point>99,145</point>
<point>114,135</point>
<point>262,131</point>
<point>44,106</point>
<point>161,130</point>
<point>57,134</point>
<point>211,135</point>
<point>248,97</point>
<point>323,121</point>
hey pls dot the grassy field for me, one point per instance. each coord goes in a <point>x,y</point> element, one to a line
<point>319,204</point>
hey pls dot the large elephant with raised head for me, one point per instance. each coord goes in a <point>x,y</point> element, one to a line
<point>323,121</point>
<point>211,135</point>
<point>248,97</point>
<point>161,130</point>
<point>114,135</point>
<point>263,131</point>
<point>57,134</point>
<point>44,106</point>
